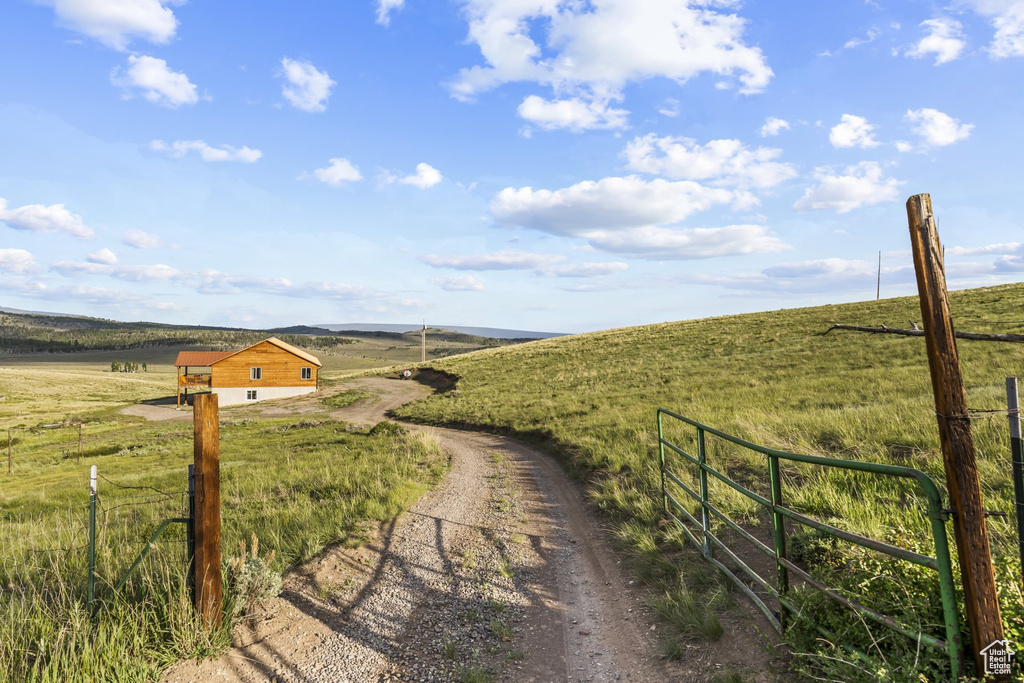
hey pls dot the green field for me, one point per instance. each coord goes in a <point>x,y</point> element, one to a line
<point>774,379</point>
<point>298,483</point>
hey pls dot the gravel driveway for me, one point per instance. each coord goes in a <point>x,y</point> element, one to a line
<point>498,574</point>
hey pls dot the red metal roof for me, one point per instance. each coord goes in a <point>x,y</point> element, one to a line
<point>200,358</point>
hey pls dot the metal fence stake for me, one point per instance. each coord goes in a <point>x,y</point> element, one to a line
<point>1017,451</point>
<point>92,540</point>
<point>705,514</point>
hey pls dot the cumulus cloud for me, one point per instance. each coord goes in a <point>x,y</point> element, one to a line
<point>609,204</point>
<point>660,243</point>
<point>1001,248</point>
<point>213,282</point>
<point>78,293</point>
<point>116,22</point>
<point>306,87</point>
<point>585,270</point>
<point>500,260</point>
<point>852,131</point>
<point>17,262</point>
<point>207,152</point>
<point>574,114</point>
<point>104,256</point>
<point>426,176</point>
<point>155,80</point>
<point>724,162</point>
<point>385,8</point>
<point>936,128</point>
<point>44,219</point>
<point>459,283</point>
<point>591,51</point>
<point>773,125</point>
<point>944,40</point>
<point>806,277</point>
<point>140,239</point>
<point>860,185</point>
<point>546,265</point>
<point>338,170</point>
<point>1007,17</point>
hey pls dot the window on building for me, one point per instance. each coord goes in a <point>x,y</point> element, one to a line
<point>307,373</point>
<point>250,394</point>
<point>255,373</point>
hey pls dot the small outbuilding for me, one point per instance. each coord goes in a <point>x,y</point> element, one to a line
<point>269,369</point>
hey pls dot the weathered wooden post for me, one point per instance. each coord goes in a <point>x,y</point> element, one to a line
<point>206,429</point>
<point>980,598</point>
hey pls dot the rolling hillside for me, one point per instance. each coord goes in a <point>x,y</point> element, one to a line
<point>772,378</point>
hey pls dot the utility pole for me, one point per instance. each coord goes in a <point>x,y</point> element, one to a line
<point>878,290</point>
<point>423,342</point>
<point>980,599</point>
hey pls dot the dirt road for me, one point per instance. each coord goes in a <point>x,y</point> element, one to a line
<point>501,573</point>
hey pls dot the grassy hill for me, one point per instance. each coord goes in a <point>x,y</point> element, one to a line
<point>775,379</point>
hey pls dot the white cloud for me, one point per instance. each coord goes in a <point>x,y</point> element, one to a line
<point>903,146</point>
<point>338,171</point>
<point>500,260</point>
<point>591,51</point>
<point>307,88</point>
<point>545,265</point>
<point>872,35</point>
<point>140,239</point>
<point>459,283</point>
<point>44,219</point>
<point>115,22</point>
<point>658,243</point>
<point>669,108</point>
<point>17,261</point>
<point>426,176</point>
<point>1001,248</point>
<point>384,9</point>
<point>861,185</point>
<point>1007,18</point>
<point>938,129</point>
<point>852,131</point>
<point>157,82</point>
<point>773,126</point>
<point>944,40</point>
<point>180,148</point>
<point>104,256</point>
<point>582,270</point>
<point>609,204</point>
<point>727,162</point>
<point>575,114</point>
<point>807,277</point>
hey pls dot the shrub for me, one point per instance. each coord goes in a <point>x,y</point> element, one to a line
<point>251,580</point>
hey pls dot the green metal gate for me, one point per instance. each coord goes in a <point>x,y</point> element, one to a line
<point>708,542</point>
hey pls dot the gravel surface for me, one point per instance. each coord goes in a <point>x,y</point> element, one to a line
<point>501,573</point>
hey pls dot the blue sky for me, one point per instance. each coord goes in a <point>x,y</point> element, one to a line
<point>536,164</point>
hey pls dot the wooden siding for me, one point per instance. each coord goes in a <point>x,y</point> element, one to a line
<point>280,368</point>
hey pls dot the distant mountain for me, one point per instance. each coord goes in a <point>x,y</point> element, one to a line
<point>492,332</point>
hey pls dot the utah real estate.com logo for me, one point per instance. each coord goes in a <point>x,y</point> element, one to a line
<point>998,656</point>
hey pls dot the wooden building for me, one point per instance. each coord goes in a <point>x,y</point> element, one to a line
<point>269,369</point>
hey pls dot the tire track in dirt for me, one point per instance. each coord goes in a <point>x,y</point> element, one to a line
<point>395,609</point>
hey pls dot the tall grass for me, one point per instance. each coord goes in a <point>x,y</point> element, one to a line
<point>298,485</point>
<point>771,378</point>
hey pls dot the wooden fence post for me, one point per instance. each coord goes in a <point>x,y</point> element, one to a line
<point>980,599</point>
<point>206,428</point>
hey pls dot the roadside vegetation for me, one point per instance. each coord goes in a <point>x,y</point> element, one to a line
<point>290,487</point>
<point>771,378</point>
